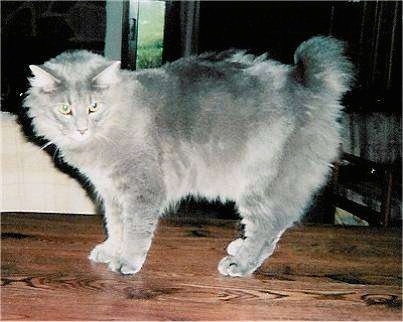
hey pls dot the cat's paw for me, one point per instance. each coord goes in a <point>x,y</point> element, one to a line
<point>233,266</point>
<point>103,253</point>
<point>234,246</point>
<point>117,266</point>
<point>128,264</point>
<point>127,268</point>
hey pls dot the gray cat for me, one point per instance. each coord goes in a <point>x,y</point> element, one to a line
<point>228,125</point>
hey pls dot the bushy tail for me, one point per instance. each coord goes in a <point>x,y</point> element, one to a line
<point>322,66</point>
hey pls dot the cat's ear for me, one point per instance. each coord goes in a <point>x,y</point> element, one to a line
<point>107,77</point>
<point>43,79</point>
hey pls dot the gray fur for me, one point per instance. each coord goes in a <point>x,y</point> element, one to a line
<point>226,125</point>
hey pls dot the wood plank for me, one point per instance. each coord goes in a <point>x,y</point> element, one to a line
<point>317,273</point>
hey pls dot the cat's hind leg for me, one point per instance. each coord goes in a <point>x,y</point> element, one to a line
<point>262,232</point>
<point>268,209</point>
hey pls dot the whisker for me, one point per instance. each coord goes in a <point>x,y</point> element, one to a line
<point>55,153</point>
<point>29,156</point>
<point>46,145</point>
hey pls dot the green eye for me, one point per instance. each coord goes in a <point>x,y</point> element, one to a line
<point>65,109</point>
<point>93,107</point>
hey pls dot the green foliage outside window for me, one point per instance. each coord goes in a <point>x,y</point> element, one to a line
<point>150,34</point>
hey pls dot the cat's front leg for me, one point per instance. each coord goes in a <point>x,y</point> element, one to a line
<point>139,222</point>
<point>141,197</point>
<point>109,250</point>
<point>137,237</point>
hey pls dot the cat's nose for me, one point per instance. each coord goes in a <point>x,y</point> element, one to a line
<point>82,131</point>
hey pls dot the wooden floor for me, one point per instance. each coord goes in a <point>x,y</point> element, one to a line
<point>317,273</point>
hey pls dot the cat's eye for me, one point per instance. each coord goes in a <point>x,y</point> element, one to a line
<point>93,107</point>
<point>65,109</point>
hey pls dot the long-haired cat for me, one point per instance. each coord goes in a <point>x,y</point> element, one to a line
<point>228,125</point>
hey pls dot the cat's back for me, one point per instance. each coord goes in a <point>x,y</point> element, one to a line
<point>217,69</point>
<point>220,94</point>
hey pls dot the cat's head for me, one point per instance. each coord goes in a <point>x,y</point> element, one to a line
<point>71,96</point>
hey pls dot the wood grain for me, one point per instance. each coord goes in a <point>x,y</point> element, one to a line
<point>317,273</point>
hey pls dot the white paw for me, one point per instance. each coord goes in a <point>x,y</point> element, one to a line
<point>232,266</point>
<point>127,265</point>
<point>123,268</point>
<point>105,252</point>
<point>234,246</point>
<point>129,269</point>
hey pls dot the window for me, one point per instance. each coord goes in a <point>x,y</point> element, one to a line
<point>143,33</point>
<point>150,33</point>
